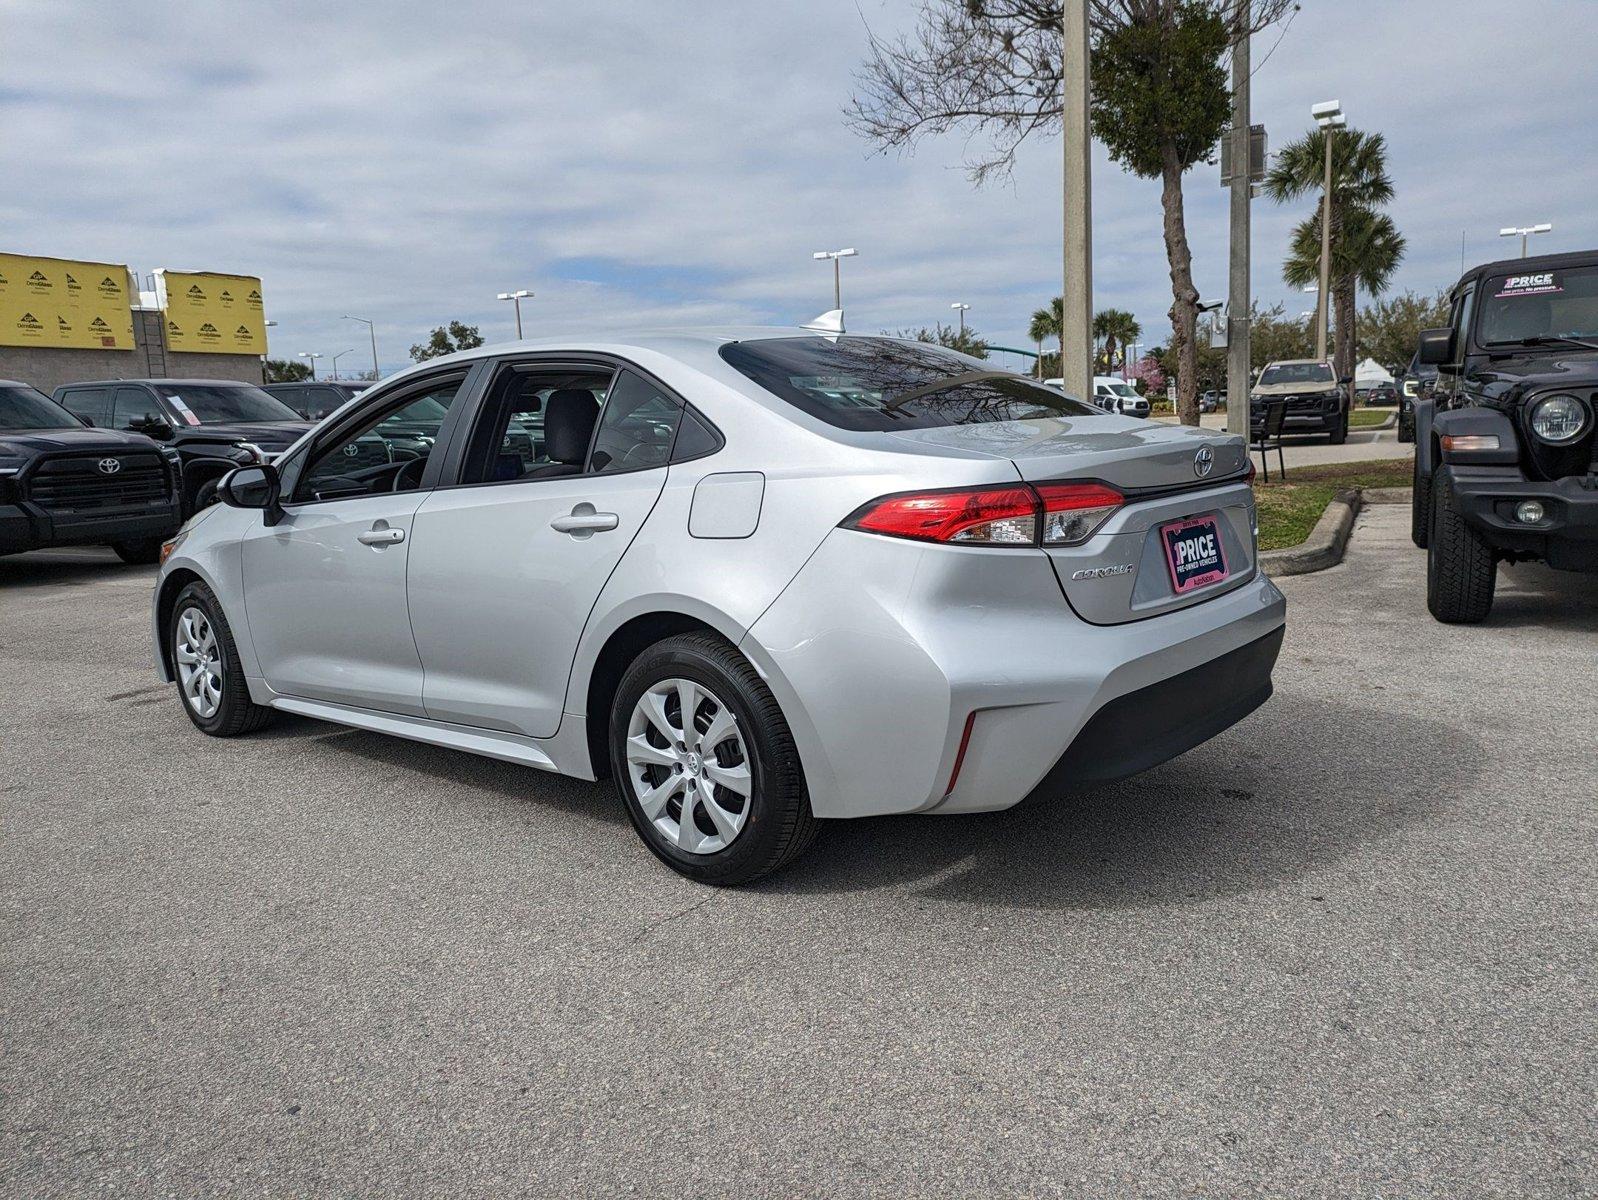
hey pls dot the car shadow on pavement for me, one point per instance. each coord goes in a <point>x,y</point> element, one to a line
<point>1532,595</point>
<point>1284,795</point>
<point>49,569</point>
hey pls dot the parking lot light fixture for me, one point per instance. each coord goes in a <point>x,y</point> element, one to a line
<point>312,357</point>
<point>338,356</point>
<point>1329,116</point>
<point>837,274</point>
<point>516,298</point>
<point>1524,232</point>
<point>961,309</point>
<point>372,330</point>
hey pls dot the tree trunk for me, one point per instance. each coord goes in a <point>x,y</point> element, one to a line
<point>1184,296</point>
<point>1346,349</point>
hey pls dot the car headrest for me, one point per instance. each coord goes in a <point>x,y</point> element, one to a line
<point>569,416</point>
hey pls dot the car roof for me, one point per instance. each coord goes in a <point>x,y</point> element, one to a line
<point>1299,362</point>
<point>165,382</point>
<point>695,346</point>
<point>1531,265</point>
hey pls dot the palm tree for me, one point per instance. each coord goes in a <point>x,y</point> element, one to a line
<point>1115,327</point>
<point>1366,246</point>
<point>1049,323</point>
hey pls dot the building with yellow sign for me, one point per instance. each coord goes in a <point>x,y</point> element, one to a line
<point>68,320</point>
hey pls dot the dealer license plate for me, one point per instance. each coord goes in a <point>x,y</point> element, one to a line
<point>1193,553</point>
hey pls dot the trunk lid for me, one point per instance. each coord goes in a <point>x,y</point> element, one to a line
<point>1123,572</point>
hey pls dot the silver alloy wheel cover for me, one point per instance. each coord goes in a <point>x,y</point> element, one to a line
<point>706,770</point>
<point>199,662</point>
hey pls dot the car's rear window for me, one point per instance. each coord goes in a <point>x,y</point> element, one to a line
<point>875,384</point>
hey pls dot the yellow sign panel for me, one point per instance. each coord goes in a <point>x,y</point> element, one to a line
<point>213,314</point>
<point>65,304</point>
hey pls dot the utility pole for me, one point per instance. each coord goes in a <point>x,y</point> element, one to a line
<point>372,330</point>
<point>1239,293</point>
<point>1076,316</point>
<point>1329,116</point>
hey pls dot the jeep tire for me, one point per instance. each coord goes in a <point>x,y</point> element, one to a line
<point>1460,567</point>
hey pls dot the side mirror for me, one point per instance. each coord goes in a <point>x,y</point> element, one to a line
<point>1346,380</point>
<point>254,486</point>
<point>154,427</point>
<point>1436,346</point>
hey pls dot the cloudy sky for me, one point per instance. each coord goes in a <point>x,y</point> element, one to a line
<point>644,163</point>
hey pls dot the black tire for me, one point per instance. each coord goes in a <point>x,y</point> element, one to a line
<point>1406,430</point>
<point>1420,508</point>
<point>778,825</point>
<point>1460,568</point>
<point>1339,433</point>
<point>204,496</point>
<point>141,553</point>
<point>236,714</point>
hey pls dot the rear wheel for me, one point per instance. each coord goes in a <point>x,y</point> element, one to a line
<point>140,553</point>
<point>205,662</point>
<point>1460,568</point>
<point>706,764</point>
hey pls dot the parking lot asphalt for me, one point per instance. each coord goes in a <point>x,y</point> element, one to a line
<point>1345,949</point>
<point>1310,450</point>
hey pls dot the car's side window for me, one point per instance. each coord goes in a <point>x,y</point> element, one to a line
<point>536,423</point>
<point>387,452</point>
<point>636,428</point>
<point>135,409</point>
<point>1467,303</point>
<point>92,404</point>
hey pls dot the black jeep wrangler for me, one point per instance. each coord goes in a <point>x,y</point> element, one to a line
<point>62,484</point>
<point>1506,460</point>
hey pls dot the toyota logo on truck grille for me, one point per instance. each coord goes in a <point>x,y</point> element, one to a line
<point>109,466</point>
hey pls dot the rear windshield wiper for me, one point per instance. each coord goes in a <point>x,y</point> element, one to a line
<point>1548,339</point>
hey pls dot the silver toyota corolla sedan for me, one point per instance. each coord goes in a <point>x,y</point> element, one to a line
<point>756,577</point>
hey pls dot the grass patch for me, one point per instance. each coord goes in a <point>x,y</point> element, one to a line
<point>1288,511</point>
<point>1365,418</point>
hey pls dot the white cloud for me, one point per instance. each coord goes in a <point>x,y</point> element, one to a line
<point>649,163</point>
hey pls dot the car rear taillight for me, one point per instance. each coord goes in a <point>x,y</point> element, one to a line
<point>1025,515</point>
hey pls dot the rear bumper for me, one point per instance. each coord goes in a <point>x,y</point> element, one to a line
<point>26,527</point>
<point>915,682</point>
<point>1144,728</point>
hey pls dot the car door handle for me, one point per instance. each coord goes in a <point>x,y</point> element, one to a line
<point>381,537</point>
<point>584,521</point>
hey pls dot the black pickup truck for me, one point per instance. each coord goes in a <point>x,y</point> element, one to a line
<point>213,424</point>
<point>62,484</point>
<point>1506,457</point>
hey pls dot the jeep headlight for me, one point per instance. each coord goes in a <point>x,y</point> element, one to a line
<point>1559,419</point>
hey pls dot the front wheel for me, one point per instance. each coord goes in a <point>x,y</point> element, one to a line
<point>706,764</point>
<point>139,553</point>
<point>1460,569</point>
<point>205,662</point>
<point>1339,433</point>
<point>1420,508</point>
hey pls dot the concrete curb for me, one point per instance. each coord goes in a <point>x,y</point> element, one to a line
<point>1392,495</point>
<point>1390,423</point>
<point>1326,542</point>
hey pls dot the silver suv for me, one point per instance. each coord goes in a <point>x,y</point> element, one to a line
<point>756,577</point>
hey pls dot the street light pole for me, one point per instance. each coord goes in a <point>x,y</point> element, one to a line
<point>516,298</point>
<point>1525,231</point>
<point>1239,296</point>
<point>961,309</point>
<point>312,357</point>
<point>338,356</point>
<point>372,330</point>
<point>1076,315</point>
<point>837,273</point>
<point>1329,116</point>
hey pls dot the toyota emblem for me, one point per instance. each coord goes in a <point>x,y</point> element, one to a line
<point>109,466</point>
<point>353,450</point>
<point>1203,462</point>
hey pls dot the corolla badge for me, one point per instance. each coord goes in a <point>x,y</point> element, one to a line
<point>1203,462</point>
<point>109,466</point>
<point>1102,572</point>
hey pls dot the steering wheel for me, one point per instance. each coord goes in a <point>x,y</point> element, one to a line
<point>408,476</point>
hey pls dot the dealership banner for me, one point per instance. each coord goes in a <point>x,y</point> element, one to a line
<point>64,304</point>
<point>210,313</point>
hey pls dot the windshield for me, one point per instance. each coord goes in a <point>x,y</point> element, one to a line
<point>1296,373</point>
<point>23,408</point>
<point>879,384</point>
<point>1124,389</point>
<point>1541,304</point>
<point>221,403</point>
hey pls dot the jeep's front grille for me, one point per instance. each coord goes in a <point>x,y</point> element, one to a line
<point>79,484</point>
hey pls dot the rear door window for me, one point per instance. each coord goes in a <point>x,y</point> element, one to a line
<point>92,404</point>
